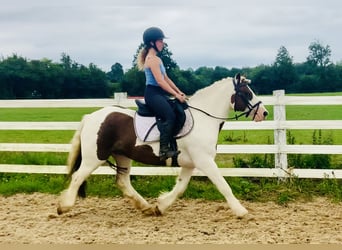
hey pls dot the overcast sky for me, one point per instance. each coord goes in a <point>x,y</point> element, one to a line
<point>225,33</point>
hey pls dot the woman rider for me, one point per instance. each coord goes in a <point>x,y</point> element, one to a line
<point>158,89</point>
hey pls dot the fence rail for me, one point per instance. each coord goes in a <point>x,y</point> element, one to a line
<point>279,148</point>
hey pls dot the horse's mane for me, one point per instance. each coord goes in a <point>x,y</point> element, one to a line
<point>203,93</point>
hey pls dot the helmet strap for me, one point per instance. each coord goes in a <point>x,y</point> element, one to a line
<point>153,45</point>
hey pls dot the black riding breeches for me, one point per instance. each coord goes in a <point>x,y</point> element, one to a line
<point>157,100</point>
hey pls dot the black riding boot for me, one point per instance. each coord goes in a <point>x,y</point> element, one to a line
<point>166,134</point>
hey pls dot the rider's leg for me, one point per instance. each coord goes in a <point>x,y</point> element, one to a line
<point>157,101</point>
<point>166,137</point>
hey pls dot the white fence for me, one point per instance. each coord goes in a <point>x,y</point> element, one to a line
<point>279,148</point>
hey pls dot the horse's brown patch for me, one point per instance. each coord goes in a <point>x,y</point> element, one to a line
<point>117,136</point>
<point>241,98</point>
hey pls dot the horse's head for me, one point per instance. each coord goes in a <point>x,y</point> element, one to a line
<point>246,101</point>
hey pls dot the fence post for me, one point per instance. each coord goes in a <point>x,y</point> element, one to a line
<point>119,96</point>
<point>280,133</point>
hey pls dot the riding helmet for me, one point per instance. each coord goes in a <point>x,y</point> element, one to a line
<point>152,34</point>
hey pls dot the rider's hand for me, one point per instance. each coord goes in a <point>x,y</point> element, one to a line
<point>181,97</point>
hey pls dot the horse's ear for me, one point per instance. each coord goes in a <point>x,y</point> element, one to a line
<point>238,77</point>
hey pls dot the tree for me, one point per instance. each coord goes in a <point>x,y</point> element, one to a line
<point>219,73</point>
<point>321,67</point>
<point>45,79</point>
<point>116,74</point>
<point>283,58</point>
<point>134,82</point>
<point>66,61</point>
<point>204,75</point>
<point>262,79</point>
<point>97,85</point>
<point>166,57</point>
<point>187,81</point>
<point>319,55</point>
<point>14,74</point>
<point>284,70</point>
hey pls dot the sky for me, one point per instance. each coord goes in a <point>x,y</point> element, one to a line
<point>239,33</point>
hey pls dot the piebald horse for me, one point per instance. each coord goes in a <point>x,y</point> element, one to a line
<point>110,132</point>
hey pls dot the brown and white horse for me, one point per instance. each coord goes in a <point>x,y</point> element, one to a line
<point>110,132</point>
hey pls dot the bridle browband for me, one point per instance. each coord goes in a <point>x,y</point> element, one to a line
<point>238,92</point>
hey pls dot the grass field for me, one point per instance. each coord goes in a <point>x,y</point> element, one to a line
<point>247,188</point>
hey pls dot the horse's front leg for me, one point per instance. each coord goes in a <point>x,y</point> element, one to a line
<point>208,166</point>
<point>124,184</point>
<point>167,199</point>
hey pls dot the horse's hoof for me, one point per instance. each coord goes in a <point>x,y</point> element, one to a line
<point>157,212</point>
<point>152,211</point>
<point>61,210</point>
<point>148,211</point>
<point>241,213</point>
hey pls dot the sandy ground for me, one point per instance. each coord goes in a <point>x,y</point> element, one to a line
<point>33,219</point>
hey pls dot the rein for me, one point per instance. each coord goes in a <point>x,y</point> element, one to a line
<point>236,117</point>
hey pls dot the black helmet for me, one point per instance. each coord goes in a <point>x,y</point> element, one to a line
<point>152,34</point>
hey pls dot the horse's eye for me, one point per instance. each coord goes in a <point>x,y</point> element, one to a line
<point>249,95</point>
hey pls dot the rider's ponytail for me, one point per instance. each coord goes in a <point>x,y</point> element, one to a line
<point>141,58</point>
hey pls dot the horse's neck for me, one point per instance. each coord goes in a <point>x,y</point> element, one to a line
<point>214,99</point>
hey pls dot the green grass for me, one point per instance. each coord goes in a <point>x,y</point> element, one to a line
<point>33,158</point>
<point>36,136</point>
<point>319,112</point>
<point>43,114</point>
<point>11,184</point>
<point>257,189</point>
<point>252,189</point>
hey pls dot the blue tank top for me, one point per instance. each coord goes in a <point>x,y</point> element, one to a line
<point>150,80</point>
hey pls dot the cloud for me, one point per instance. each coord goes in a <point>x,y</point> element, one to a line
<point>202,33</point>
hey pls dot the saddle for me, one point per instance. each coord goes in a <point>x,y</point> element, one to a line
<point>145,122</point>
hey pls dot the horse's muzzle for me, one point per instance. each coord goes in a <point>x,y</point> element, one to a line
<point>260,114</point>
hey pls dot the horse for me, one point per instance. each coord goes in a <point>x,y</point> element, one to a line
<point>109,131</point>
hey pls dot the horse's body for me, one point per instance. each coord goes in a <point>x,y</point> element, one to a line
<point>110,132</point>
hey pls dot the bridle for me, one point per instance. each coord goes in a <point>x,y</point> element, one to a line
<point>238,92</point>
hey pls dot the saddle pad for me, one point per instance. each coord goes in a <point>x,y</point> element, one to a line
<point>143,125</point>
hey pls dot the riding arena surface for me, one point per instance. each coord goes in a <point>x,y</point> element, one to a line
<point>32,218</point>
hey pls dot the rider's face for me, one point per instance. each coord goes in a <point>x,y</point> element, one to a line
<point>160,44</point>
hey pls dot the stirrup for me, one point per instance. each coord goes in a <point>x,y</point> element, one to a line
<point>168,154</point>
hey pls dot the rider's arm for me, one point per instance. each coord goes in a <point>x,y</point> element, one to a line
<point>164,81</point>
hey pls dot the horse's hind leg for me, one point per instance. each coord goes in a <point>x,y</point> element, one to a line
<point>124,184</point>
<point>167,199</point>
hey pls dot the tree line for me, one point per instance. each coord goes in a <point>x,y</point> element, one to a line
<point>23,78</point>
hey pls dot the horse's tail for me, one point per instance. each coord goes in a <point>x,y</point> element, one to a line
<point>75,157</point>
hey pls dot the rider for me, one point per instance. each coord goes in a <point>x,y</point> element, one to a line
<point>158,89</point>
